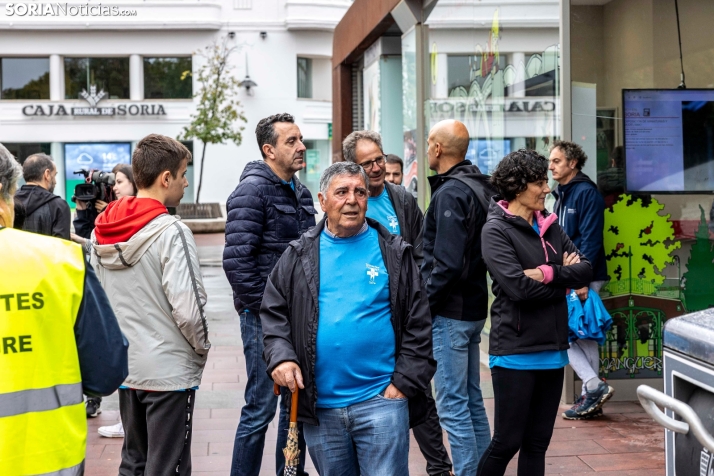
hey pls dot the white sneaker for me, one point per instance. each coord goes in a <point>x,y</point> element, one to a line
<point>114,431</point>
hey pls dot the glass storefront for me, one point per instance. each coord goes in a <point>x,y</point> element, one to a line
<point>641,143</point>
<point>507,95</point>
<point>24,78</point>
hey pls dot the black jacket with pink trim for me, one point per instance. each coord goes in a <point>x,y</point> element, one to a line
<point>527,315</point>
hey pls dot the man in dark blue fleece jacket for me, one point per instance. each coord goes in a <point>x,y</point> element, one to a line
<point>581,213</point>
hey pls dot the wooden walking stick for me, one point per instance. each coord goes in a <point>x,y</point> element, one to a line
<point>291,451</point>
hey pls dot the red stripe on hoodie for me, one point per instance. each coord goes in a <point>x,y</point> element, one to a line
<point>123,218</point>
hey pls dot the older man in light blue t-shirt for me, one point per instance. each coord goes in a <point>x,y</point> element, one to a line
<point>345,320</point>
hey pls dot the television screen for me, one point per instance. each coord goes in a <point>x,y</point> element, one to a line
<point>486,154</point>
<point>669,140</point>
<point>92,156</point>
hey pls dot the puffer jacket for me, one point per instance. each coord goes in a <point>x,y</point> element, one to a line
<point>264,215</point>
<point>289,315</point>
<point>154,284</point>
<point>527,315</point>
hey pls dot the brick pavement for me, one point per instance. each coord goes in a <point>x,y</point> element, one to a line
<point>625,442</point>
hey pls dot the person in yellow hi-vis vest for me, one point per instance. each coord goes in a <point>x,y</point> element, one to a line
<point>59,338</point>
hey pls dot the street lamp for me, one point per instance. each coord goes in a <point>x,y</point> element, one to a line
<point>247,83</point>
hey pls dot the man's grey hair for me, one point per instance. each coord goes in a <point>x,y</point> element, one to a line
<point>10,172</point>
<point>349,145</point>
<point>35,165</point>
<point>341,168</point>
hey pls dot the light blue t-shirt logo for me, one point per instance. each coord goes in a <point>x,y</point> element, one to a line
<point>372,272</point>
<point>380,208</point>
<point>393,224</point>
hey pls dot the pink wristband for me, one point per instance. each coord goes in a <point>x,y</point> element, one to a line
<point>547,273</point>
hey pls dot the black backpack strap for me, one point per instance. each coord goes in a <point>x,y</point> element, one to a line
<point>481,189</point>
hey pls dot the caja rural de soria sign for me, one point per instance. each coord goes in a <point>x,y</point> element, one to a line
<point>93,98</point>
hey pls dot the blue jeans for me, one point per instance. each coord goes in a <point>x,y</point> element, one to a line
<point>458,391</point>
<point>259,408</point>
<point>370,438</point>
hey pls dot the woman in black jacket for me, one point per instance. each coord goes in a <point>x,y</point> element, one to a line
<point>532,263</point>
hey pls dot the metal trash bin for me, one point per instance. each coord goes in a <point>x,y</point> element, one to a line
<point>688,397</point>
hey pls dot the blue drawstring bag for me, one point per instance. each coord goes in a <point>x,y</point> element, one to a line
<point>589,319</point>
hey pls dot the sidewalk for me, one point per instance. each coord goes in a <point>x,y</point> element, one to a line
<point>625,442</point>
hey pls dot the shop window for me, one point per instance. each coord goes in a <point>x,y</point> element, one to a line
<point>168,78</point>
<point>108,74</point>
<point>304,77</point>
<point>25,78</point>
<point>22,150</point>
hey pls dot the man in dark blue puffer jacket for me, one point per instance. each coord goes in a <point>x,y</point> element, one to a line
<point>268,209</point>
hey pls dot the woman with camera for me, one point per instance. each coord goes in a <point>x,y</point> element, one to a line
<point>532,262</point>
<point>124,186</point>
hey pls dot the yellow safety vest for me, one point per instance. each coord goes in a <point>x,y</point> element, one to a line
<point>43,425</point>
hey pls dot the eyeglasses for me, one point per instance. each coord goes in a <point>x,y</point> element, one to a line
<point>370,164</point>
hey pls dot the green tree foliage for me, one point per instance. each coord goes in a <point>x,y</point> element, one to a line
<point>218,110</point>
<point>699,290</point>
<point>636,224</point>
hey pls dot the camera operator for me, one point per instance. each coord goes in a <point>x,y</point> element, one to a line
<point>124,186</point>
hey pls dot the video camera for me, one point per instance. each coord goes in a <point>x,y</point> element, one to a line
<point>98,186</point>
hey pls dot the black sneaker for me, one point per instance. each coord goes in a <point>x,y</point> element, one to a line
<point>93,407</point>
<point>594,400</point>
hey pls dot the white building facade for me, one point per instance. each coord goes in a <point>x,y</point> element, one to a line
<point>139,55</point>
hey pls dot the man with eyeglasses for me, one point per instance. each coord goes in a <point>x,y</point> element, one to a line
<point>389,204</point>
<point>397,210</point>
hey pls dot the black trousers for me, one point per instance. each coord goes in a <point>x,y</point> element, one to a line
<point>157,432</point>
<point>526,405</point>
<point>430,438</point>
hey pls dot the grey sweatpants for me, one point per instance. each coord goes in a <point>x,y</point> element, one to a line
<point>584,353</point>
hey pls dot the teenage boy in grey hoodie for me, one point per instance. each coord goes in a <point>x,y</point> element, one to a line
<point>148,264</point>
